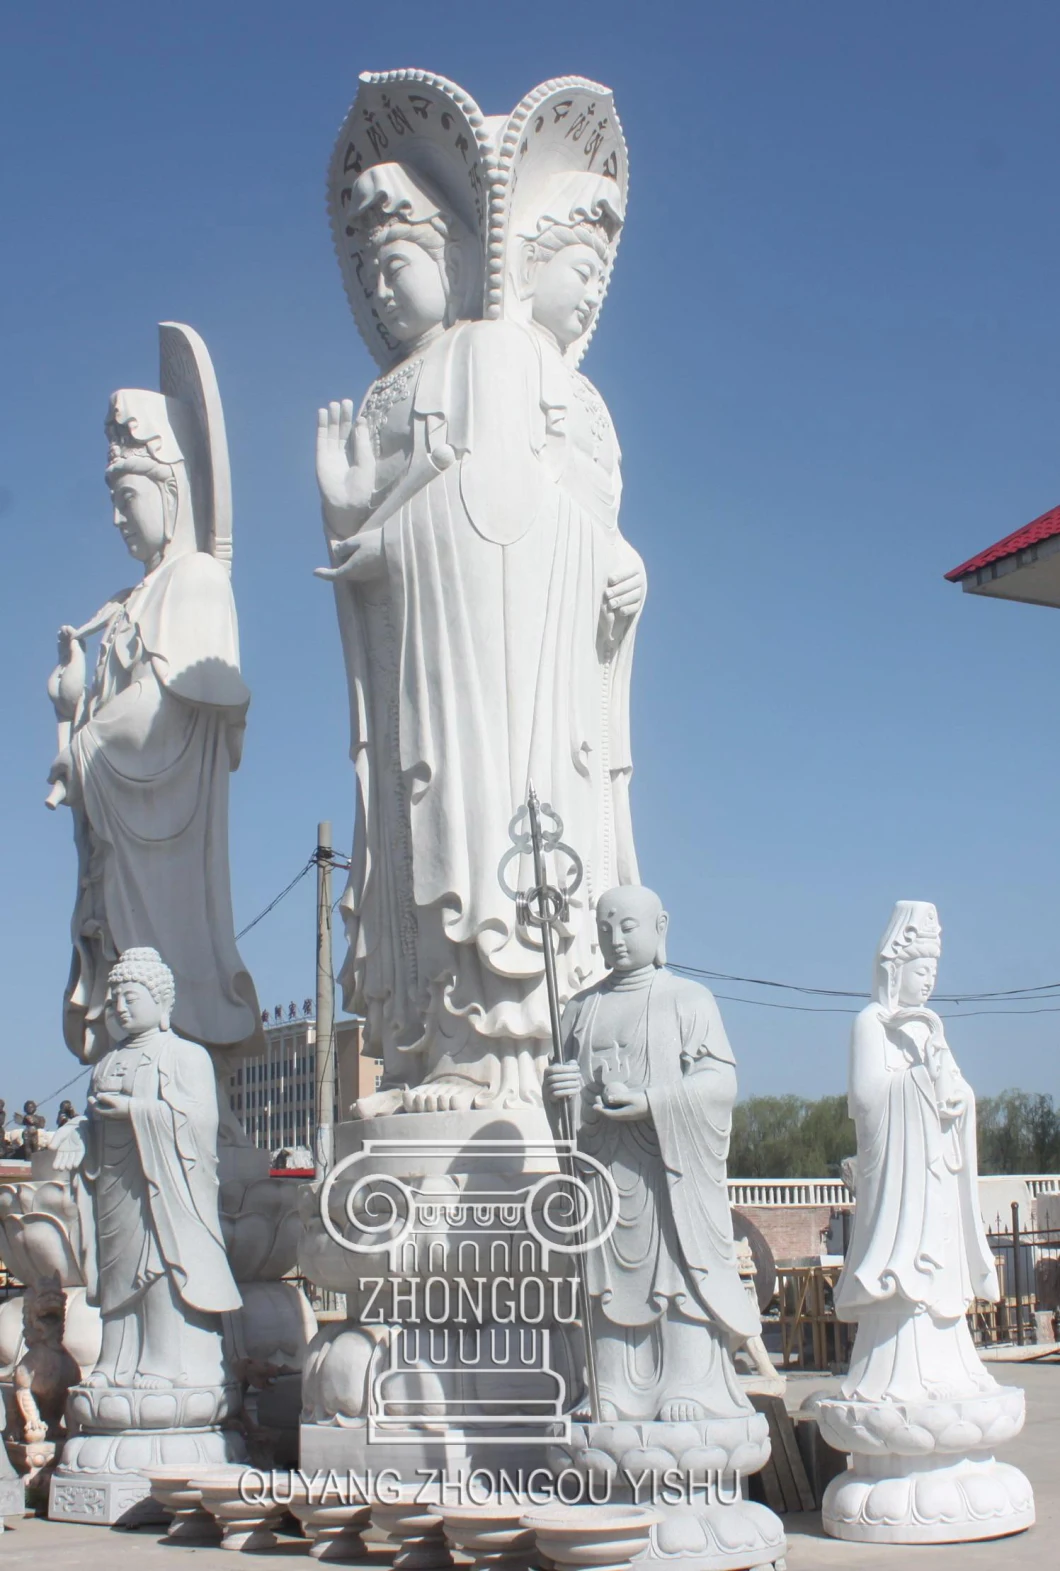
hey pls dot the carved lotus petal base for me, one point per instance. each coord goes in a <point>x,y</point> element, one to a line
<point>736,1537</point>
<point>493,1535</point>
<point>592,1538</point>
<point>111,1409</point>
<point>925,1502</point>
<point>925,1427</point>
<point>105,1478</point>
<point>621,1452</point>
<point>139,1452</point>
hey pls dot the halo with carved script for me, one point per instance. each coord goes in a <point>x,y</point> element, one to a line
<point>567,126</point>
<point>437,131</point>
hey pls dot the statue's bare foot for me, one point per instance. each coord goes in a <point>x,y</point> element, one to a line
<point>143,1381</point>
<point>439,1096</point>
<point>583,1413</point>
<point>97,1380</point>
<point>379,1104</point>
<point>680,1410</point>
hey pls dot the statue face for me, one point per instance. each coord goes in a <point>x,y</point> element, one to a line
<point>139,515</point>
<point>131,1010</point>
<point>568,287</point>
<point>410,290</point>
<point>916,982</point>
<point>630,922</point>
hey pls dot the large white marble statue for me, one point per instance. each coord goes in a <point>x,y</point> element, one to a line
<point>486,599</point>
<point>654,1079</point>
<point>146,746</point>
<point>154,1255</point>
<point>919,1413</point>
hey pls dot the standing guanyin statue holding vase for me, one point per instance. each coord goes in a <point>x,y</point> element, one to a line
<point>918,1413</point>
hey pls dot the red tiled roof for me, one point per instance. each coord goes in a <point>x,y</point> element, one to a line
<point>1042,528</point>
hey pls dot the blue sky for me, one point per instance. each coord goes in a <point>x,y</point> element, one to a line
<point>830,349</point>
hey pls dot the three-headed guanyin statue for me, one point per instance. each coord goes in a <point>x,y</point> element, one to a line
<point>146,746</point>
<point>486,599</point>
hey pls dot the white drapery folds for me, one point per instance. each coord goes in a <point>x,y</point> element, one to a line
<point>482,660</point>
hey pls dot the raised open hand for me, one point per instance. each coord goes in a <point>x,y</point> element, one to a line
<point>345,467</point>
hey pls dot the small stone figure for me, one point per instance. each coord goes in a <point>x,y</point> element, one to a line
<point>32,1123</point>
<point>67,1112</point>
<point>157,1267</point>
<point>653,1072</point>
<point>918,1413</point>
<point>41,1381</point>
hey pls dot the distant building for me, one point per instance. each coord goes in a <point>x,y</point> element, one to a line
<point>1024,566</point>
<point>273,1093</point>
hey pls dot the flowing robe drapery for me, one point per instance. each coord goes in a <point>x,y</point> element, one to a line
<point>148,1184</point>
<point>674,1240</point>
<point>479,661</point>
<point>161,730</point>
<point>918,1239</point>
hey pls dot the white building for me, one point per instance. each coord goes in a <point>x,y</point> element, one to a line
<point>273,1094</point>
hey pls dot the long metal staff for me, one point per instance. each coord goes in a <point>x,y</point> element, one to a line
<point>543,907</point>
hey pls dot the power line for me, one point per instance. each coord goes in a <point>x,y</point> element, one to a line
<point>44,1100</point>
<point>335,860</point>
<point>832,1009</point>
<point>1029,994</point>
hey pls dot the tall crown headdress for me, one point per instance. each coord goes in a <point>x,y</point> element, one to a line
<point>440,135</point>
<point>183,423</point>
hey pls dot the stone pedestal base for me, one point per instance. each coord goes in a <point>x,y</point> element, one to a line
<point>12,1490</point>
<point>690,1475</point>
<point>107,1498</point>
<point>101,1476</point>
<point>909,1500</point>
<point>922,1471</point>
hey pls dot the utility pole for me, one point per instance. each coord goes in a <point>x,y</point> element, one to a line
<point>325,1029</point>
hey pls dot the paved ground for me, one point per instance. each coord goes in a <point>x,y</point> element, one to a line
<point>38,1544</point>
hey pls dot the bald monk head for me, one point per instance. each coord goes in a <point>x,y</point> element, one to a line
<point>632,926</point>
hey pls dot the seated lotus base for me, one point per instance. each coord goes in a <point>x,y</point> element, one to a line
<point>927,1500</point>
<point>103,1478</point>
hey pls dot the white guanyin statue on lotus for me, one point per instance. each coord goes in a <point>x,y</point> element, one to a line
<point>487,601</point>
<point>918,1256</point>
<point>918,1414</point>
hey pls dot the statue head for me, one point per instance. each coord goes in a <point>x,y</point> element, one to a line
<point>147,476</point>
<point>416,252</point>
<point>907,960</point>
<point>562,263</point>
<point>140,994</point>
<point>632,926</point>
